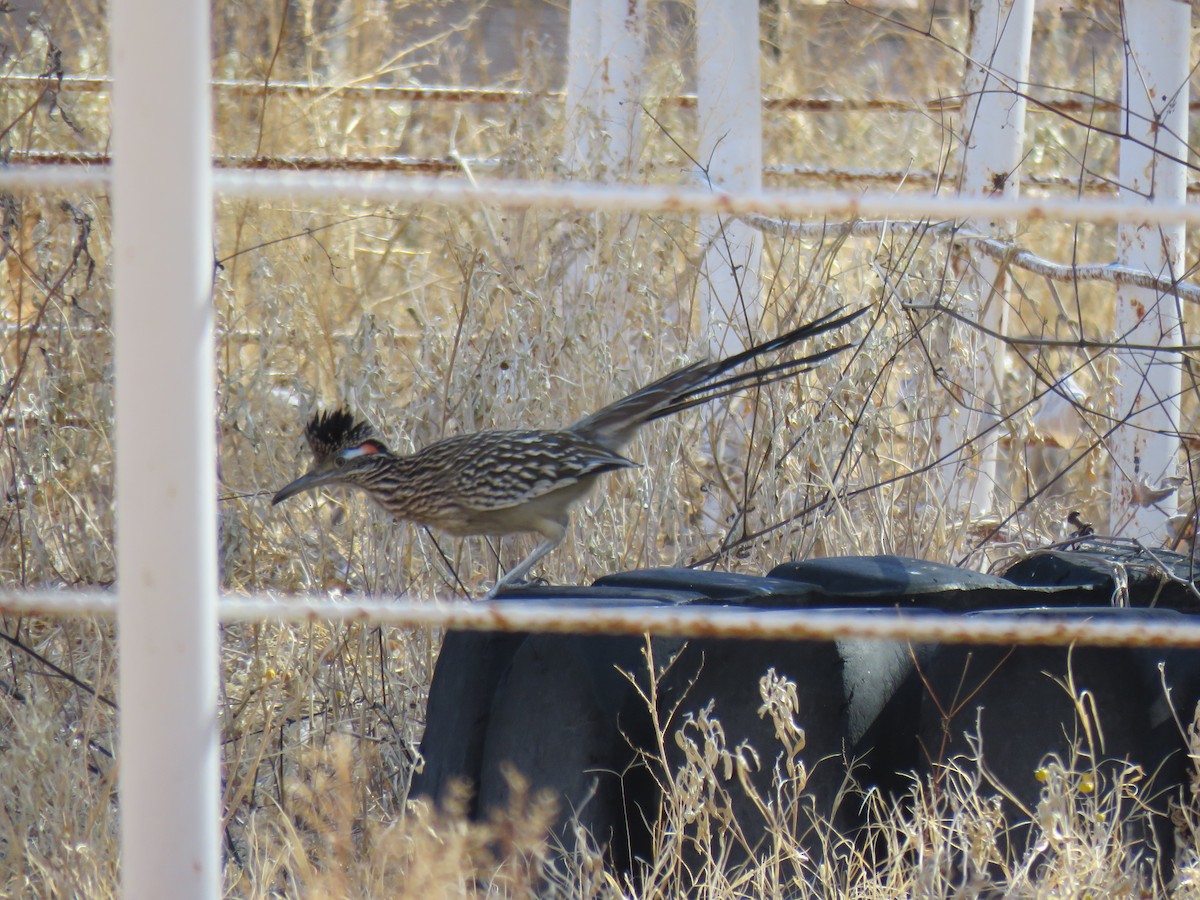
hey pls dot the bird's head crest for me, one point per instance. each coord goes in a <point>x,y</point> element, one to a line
<point>333,433</point>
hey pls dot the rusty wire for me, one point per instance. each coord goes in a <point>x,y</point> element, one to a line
<point>445,94</point>
<point>449,94</point>
<point>444,165</point>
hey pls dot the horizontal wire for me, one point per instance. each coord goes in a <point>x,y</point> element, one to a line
<point>830,175</point>
<point>447,94</point>
<point>451,94</point>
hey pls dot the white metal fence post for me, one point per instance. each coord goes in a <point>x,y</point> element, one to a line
<point>605,62</point>
<point>166,449</point>
<point>993,143</point>
<point>1153,170</point>
<point>606,57</point>
<point>729,99</point>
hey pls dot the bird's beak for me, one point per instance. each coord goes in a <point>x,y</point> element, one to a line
<point>307,482</point>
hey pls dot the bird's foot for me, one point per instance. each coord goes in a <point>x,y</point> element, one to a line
<point>514,585</point>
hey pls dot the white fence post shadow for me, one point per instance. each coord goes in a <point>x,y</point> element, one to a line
<point>166,450</point>
<point>994,138</point>
<point>1152,170</point>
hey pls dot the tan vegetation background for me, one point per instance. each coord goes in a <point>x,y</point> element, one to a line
<point>432,321</point>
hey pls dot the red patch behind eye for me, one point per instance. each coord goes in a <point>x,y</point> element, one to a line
<point>371,447</point>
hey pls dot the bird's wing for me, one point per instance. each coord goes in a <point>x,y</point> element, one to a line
<point>502,469</point>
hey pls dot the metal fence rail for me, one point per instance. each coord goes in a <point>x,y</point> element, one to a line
<point>450,612</point>
<point>836,205</point>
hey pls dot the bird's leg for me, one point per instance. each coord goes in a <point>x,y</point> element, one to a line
<point>551,538</point>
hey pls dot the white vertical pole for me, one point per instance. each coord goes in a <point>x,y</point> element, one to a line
<point>166,451</point>
<point>605,66</point>
<point>1157,36</point>
<point>582,107</point>
<point>993,144</point>
<point>729,110</point>
<point>729,95</point>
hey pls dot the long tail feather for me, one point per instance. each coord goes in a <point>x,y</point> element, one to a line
<point>692,385</point>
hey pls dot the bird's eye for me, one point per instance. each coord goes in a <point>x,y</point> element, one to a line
<point>339,461</point>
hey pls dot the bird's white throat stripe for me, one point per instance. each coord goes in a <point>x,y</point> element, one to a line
<point>355,452</point>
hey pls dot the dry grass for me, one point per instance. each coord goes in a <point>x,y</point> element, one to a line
<point>432,321</point>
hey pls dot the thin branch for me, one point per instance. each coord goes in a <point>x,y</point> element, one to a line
<point>1005,251</point>
<point>1080,343</point>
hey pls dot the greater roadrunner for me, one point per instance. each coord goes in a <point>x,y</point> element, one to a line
<point>504,482</point>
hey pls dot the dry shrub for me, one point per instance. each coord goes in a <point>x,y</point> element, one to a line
<point>327,847</point>
<point>58,801</point>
